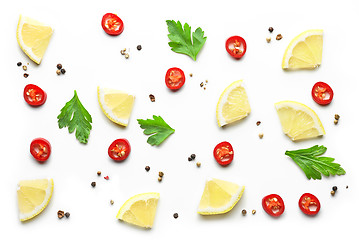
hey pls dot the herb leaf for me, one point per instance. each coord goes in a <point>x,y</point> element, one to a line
<point>74,116</point>
<point>312,165</point>
<point>159,129</point>
<point>181,41</point>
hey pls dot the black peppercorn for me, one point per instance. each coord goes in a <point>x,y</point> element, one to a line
<point>175,215</point>
<point>139,47</point>
<point>63,71</point>
<point>26,75</point>
<point>335,188</point>
<point>193,156</point>
<point>59,66</point>
<point>19,64</point>
<point>93,184</point>
<point>270,29</point>
<point>147,168</point>
<point>67,214</point>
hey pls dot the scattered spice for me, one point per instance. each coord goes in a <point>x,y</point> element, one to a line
<point>270,29</point>
<point>336,122</point>
<point>123,51</point>
<point>332,193</point>
<point>98,173</point>
<point>198,164</point>
<point>244,212</point>
<point>58,72</point>
<point>279,37</point>
<point>107,178</point>
<point>260,135</point>
<point>147,168</point>
<point>127,55</point>
<point>161,174</point>
<point>152,98</point>
<point>19,64</point>
<point>201,84</point>
<point>60,214</point>
<point>175,215</point>
<point>59,66</point>
<point>112,202</point>
<point>336,116</point>
<point>334,188</point>
<point>26,75</point>
<point>193,156</point>
<point>139,47</point>
<point>254,211</point>
<point>258,123</point>
<point>347,187</point>
<point>268,39</point>
<point>93,184</point>
<point>190,159</point>
<point>24,68</point>
<point>204,88</point>
<point>159,179</point>
<point>67,214</point>
<point>191,75</point>
<point>206,81</point>
<point>63,71</point>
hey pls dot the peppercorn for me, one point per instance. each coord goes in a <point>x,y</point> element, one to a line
<point>204,88</point>
<point>147,168</point>
<point>336,121</point>
<point>332,193</point>
<point>279,37</point>
<point>60,214</point>
<point>201,85</point>
<point>59,66</point>
<point>258,123</point>
<point>63,70</point>
<point>190,159</point>
<point>93,184</point>
<point>198,164</point>
<point>254,211</point>
<point>127,55</point>
<point>159,179</point>
<point>98,173</point>
<point>260,135</point>
<point>19,64</point>
<point>26,75</point>
<point>191,75</point>
<point>139,47</point>
<point>336,116</point>
<point>268,39</point>
<point>152,98</point>
<point>58,72</point>
<point>112,202</point>
<point>193,156</point>
<point>67,214</point>
<point>244,212</point>
<point>175,215</point>
<point>346,187</point>
<point>161,174</point>
<point>24,68</point>
<point>270,29</point>
<point>334,188</point>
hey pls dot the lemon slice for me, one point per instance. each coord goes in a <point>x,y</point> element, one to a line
<point>219,197</point>
<point>33,37</point>
<point>33,197</point>
<point>233,104</point>
<point>115,104</point>
<point>299,121</point>
<point>140,210</point>
<point>304,51</point>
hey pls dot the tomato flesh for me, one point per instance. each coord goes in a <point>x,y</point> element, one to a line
<point>119,149</point>
<point>175,78</point>
<point>40,149</point>
<point>273,204</point>
<point>112,24</point>
<point>322,93</point>
<point>34,95</point>
<point>223,153</point>
<point>309,204</point>
<point>236,46</point>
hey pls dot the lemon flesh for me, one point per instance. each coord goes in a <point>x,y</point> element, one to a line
<point>115,104</point>
<point>33,196</point>
<point>299,121</point>
<point>33,38</point>
<point>219,197</point>
<point>233,104</point>
<point>140,210</point>
<point>304,51</point>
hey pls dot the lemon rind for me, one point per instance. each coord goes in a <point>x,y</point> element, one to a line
<point>131,200</point>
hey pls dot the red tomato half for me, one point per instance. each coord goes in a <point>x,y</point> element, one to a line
<point>40,149</point>
<point>119,149</point>
<point>112,24</point>
<point>223,153</point>
<point>322,93</point>
<point>273,205</point>
<point>236,46</point>
<point>175,78</point>
<point>309,204</point>
<point>34,95</point>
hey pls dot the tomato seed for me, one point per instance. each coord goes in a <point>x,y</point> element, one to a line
<point>19,64</point>
<point>93,184</point>
<point>270,29</point>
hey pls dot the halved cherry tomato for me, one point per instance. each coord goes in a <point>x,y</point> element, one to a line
<point>236,46</point>
<point>273,205</point>
<point>119,149</point>
<point>223,153</point>
<point>322,93</point>
<point>34,95</point>
<point>175,78</point>
<point>309,204</point>
<point>40,149</point>
<point>112,24</point>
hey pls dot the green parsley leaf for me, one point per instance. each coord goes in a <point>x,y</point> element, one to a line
<point>159,129</point>
<point>181,41</point>
<point>312,165</point>
<point>74,116</point>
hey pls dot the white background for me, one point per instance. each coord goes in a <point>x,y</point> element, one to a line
<point>92,58</point>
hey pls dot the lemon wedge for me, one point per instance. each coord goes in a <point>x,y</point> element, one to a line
<point>304,51</point>
<point>33,196</point>
<point>33,37</point>
<point>298,120</point>
<point>219,197</point>
<point>140,210</point>
<point>115,104</point>
<point>233,104</point>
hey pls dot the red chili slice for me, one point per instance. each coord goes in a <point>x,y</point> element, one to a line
<point>175,78</point>
<point>273,204</point>
<point>40,149</point>
<point>223,153</point>
<point>34,95</point>
<point>119,149</point>
<point>112,24</point>
<point>236,46</point>
<point>309,204</point>
<point>322,93</point>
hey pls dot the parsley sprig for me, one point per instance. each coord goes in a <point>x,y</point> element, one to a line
<point>181,41</point>
<point>312,165</point>
<point>74,116</point>
<point>157,128</point>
